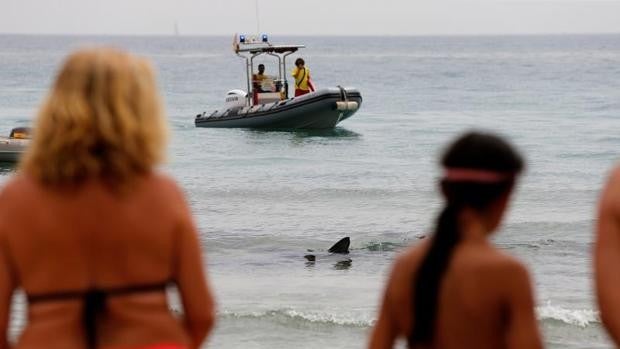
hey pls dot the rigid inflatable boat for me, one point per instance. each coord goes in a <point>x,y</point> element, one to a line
<point>268,105</point>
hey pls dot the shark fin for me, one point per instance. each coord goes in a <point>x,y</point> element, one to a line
<point>341,246</point>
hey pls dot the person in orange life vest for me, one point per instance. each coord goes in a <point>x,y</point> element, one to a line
<point>301,73</point>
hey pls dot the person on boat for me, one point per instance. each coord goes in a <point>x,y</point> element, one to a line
<point>257,83</point>
<point>607,256</point>
<point>89,230</point>
<point>303,82</point>
<point>456,289</point>
<point>258,78</point>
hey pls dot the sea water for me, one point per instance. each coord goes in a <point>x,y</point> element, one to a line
<point>261,199</point>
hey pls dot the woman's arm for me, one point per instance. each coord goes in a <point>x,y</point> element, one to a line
<point>7,286</point>
<point>607,257</point>
<point>523,332</point>
<point>198,303</point>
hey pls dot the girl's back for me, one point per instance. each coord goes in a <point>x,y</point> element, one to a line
<point>475,298</point>
<point>456,290</point>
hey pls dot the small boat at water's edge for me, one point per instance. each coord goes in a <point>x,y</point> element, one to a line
<point>12,147</point>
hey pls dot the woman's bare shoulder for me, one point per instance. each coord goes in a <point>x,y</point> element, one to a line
<point>17,187</point>
<point>167,185</point>
<point>169,193</point>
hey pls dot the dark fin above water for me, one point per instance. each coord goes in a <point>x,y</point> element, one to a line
<point>341,246</point>
<point>310,257</point>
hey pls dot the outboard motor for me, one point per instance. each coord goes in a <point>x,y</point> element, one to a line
<point>236,99</point>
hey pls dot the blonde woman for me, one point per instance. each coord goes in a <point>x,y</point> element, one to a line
<point>89,230</point>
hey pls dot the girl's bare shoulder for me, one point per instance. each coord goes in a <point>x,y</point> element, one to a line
<point>407,261</point>
<point>504,269</point>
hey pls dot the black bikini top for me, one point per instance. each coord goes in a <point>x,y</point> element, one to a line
<point>95,303</point>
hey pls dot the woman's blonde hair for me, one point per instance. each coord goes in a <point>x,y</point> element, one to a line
<point>102,119</point>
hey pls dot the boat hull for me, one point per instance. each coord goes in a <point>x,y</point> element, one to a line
<point>11,150</point>
<point>322,109</point>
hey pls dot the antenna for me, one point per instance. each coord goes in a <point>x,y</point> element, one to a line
<point>257,22</point>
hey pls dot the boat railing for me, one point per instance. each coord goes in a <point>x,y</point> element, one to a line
<point>250,47</point>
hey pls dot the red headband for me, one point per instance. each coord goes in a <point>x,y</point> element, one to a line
<point>474,175</point>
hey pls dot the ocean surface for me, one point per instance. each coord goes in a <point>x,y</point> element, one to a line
<point>261,199</point>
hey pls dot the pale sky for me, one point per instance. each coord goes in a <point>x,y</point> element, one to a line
<point>312,17</point>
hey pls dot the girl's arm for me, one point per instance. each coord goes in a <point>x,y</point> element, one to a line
<point>523,332</point>
<point>385,331</point>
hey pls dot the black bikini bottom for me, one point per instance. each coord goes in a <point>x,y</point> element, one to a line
<point>95,302</point>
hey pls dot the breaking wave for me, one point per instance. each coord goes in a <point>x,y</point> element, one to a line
<point>575,317</point>
<point>310,318</point>
<point>546,313</point>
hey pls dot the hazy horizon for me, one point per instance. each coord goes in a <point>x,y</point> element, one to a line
<point>319,18</point>
<point>307,35</point>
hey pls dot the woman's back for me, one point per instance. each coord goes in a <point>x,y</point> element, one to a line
<point>69,241</point>
<point>87,229</point>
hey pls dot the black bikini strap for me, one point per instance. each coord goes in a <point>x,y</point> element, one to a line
<point>95,302</point>
<point>66,295</point>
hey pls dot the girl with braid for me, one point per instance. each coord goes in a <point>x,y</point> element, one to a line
<point>456,289</point>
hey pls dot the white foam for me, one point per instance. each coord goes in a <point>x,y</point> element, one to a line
<point>312,317</point>
<point>576,317</point>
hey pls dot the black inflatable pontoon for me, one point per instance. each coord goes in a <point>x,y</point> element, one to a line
<point>322,109</point>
